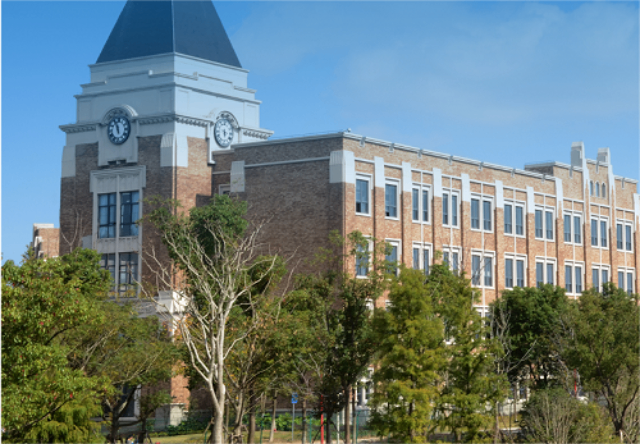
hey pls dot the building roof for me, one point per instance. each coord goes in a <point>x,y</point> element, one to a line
<point>147,28</point>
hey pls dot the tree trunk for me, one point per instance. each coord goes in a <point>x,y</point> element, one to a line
<point>327,424</point>
<point>251,435</point>
<point>347,431</point>
<point>304,421</point>
<point>273,416</point>
<point>496,435</point>
<point>115,426</point>
<point>217,436</point>
<point>237,426</point>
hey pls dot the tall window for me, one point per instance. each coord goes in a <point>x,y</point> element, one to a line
<point>623,236</point>
<point>127,271</point>
<point>481,211</point>
<point>519,220</point>
<point>539,223</point>
<point>514,271</point>
<point>108,262</point>
<point>545,272</point>
<point>129,213</point>
<point>508,218</point>
<point>451,258</point>
<point>106,215</point>
<point>392,257</point>
<point>599,224</point>
<point>599,276</point>
<point>482,270</point>
<point>572,228</point>
<point>544,224</point>
<point>421,258</point>
<point>450,208</point>
<point>573,278</point>
<point>420,203</point>
<point>362,196</point>
<point>591,187</point>
<point>362,260</point>
<point>391,200</point>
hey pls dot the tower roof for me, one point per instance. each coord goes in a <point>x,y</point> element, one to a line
<point>147,28</point>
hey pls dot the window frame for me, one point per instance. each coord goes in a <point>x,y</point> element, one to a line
<point>421,189</point>
<point>398,244</point>
<point>544,211</point>
<point>422,248</point>
<point>368,179</point>
<point>132,225</point>
<point>598,235</point>
<point>120,287</point>
<point>546,261</point>
<point>367,259</point>
<point>450,251</point>
<point>388,182</point>
<point>627,236</point>
<point>515,206</point>
<point>573,215</point>
<point>112,213</point>
<point>515,258</point>
<point>600,269</point>
<point>480,280</point>
<point>626,272</point>
<point>482,199</point>
<point>573,265</point>
<point>450,193</point>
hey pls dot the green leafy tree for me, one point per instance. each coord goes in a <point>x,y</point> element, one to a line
<point>536,318</point>
<point>554,416</point>
<point>343,321</point>
<point>130,352</point>
<point>470,383</point>
<point>411,346</point>
<point>43,397</point>
<point>604,347</point>
<point>213,254</point>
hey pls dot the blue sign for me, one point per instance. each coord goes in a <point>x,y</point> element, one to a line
<point>294,398</point>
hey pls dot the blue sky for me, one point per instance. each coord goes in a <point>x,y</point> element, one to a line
<point>507,82</point>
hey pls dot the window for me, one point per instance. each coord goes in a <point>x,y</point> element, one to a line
<point>545,272</point>
<point>481,210</point>
<point>597,189</point>
<point>362,196</point>
<point>391,200</point>
<point>572,228</point>
<point>482,269</point>
<point>573,277</point>
<point>510,221</point>
<point>625,279</point>
<point>604,190</point>
<point>224,189</point>
<point>420,203</point>
<point>599,224</point>
<point>544,224</point>
<point>127,271</point>
<point>129,213</point>
<point>421,257</point>
<point>362,260</point>
<point>599,276</point>
<point>392,256</point>
<point>450,208</point>
<point>591,187</point>
<point>451,257</point>
<point>514,271</point>
<point>108,262</point>
<point>623,235</point>
<point>106,215</point>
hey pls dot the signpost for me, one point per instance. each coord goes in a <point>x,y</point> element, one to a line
<point>294,401</point>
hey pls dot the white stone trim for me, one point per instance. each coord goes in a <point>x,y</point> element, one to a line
<point>237,176</point>
<point>499,194</point>
<point>437,182</point>
<point>342,167</point>
<point>407,183</point>
<point>466,187</point>
<point>531,201</point>
<point>379,172</point>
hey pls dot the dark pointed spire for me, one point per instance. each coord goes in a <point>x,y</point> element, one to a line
<point>147,28</point>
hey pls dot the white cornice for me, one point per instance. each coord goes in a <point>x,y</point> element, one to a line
<point>159,56</point>
<point>78,127</point>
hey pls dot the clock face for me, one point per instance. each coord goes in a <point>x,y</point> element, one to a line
<point>119,129</point>
<point>223,132</point>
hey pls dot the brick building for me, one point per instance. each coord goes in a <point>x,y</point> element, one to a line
<point>168,113</point>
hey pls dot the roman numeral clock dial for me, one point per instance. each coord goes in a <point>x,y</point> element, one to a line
<point>119,129</point>
<point>223,131</point>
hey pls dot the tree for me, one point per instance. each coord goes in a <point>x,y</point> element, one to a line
<point>536,317</point>
<point>412,356</point>
<point>553,416</point>
<point>344,318</point>
<point>604,347</point>
<point>43,397</point>
<point>470,383</point>
<point>212,252</point>
<point>130,352</point>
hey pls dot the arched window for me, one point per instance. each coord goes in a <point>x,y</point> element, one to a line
<point>591,187</point>
<point>597,189</point>
<point>604,190</point>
